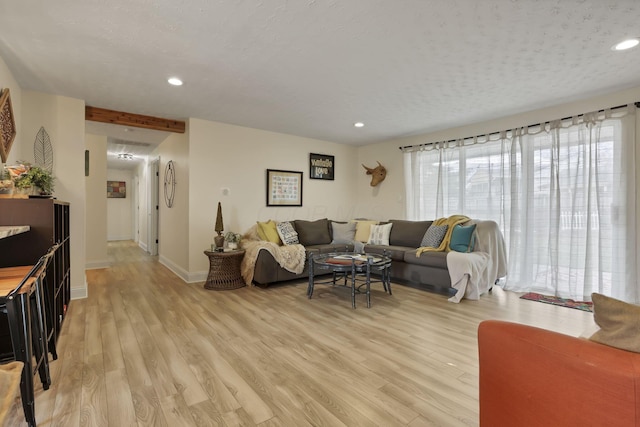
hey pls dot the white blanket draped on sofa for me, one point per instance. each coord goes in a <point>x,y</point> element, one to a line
<point>290,257</point>
<point>474,273</point>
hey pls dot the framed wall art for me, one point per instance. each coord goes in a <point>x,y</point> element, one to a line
<point>321,166</point>
<point>116,189</point>
<point>284,188</point>
<point>7,125</point>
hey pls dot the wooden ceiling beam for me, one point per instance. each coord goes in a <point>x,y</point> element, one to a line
<point>103,115</point>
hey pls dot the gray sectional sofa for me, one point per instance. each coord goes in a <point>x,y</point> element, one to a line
<point>428,271</point>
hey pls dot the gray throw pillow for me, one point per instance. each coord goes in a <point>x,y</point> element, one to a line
<point>408,233</point>
<point>434,235</point>
<point>343,233</point>
<point>313,232</point>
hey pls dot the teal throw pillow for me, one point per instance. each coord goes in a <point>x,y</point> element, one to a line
<point>462,239</point>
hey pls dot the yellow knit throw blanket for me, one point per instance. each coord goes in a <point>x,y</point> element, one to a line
<point>452,221</point>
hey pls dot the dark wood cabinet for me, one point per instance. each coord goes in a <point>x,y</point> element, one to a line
<point>49,222</point>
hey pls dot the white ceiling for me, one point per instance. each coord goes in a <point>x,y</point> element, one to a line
<point>314,67</point>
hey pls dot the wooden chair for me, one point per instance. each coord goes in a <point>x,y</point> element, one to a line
<point>22,301</point>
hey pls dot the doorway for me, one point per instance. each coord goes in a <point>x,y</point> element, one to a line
<point>154,208</point>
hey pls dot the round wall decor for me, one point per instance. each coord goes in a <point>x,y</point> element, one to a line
<point>169,183</point>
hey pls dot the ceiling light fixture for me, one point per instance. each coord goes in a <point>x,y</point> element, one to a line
<point>359,124</point>
<point>175,81</point>
<point>626,44</point>
<point>125,156</point>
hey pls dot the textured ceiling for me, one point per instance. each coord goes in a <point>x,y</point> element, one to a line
<point>314,67</point>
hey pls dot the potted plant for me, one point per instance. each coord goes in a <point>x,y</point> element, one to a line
<point>23,183</point>
<point>43,179</point>
<point>232,239</point>
<point>35,176</point>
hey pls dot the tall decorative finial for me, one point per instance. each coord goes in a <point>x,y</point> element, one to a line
<point>219,224</point>
<point>219,239</point>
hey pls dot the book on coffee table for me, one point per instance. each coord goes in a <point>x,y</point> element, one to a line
<point>347,258</point>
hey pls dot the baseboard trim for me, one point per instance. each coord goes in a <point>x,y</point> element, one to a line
<point>198,276</point>
<point>143,246</point>
<point>95,265</point>
<point>80,293</point>
<point>176,269</point>
<point>118,238</point>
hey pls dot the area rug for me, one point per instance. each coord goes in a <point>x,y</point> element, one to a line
<point>564,302</point>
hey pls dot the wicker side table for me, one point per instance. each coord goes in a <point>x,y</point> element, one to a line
<point>224,270</point>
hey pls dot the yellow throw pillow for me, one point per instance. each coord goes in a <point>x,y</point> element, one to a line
<point>363,229</point>
<point>269,232</point>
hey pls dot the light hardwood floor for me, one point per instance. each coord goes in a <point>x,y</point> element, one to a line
<point>147,349</point>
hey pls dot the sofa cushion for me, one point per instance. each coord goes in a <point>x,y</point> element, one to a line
<point>430,259</point>
<point>462,239</point>
<point>408,233</point>
<point>313,232</point>
<point>343,232</point>
<point>363,229</point>
<point>396,253</point>
<point>328,248</point>
<point>268,231</point>
<point>287,233</point>
<point>619,323</point>
<point>434,235</point>
<point>379,234</point>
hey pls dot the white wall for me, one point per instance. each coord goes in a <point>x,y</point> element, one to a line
<point>96,202</point>
<point>234,157</point>
<point>119,211</point>
<point>173,234</point>
<point>388,201</point>
<point>63,118</point>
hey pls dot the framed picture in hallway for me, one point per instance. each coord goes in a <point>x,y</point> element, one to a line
<point>284,188</point>
<point>116,189</point>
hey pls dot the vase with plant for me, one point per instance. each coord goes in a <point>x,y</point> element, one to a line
<point>6,184</point>
<point>23,184</point>
<point>232,239</point>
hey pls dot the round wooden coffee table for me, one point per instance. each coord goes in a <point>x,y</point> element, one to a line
<point>224,270</point>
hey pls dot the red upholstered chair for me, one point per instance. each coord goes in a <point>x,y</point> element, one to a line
<point>534,377</point>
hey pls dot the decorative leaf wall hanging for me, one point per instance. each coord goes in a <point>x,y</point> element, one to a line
<point>43,150</point>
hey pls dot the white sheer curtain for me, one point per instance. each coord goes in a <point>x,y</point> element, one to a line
<point>564,195</point>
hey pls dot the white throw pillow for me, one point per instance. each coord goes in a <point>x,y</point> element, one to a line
<point>379,234</point>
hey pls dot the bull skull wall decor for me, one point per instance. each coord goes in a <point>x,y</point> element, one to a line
<point>378,174</point>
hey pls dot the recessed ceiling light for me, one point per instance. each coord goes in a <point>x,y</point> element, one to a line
<point>125,156</point>
<point>175,81</point>
<point>359,124</point>
<point>627,44</point>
